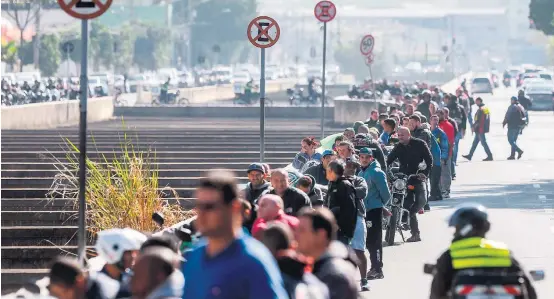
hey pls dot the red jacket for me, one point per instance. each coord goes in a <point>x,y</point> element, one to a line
<point>260,224</point>
<point>448,128</point>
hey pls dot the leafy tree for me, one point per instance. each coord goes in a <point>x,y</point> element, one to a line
<point>222,23</point>
<point>9,53</point>
<point>124,48</point>
<point>50,56</point>
<point>541,14</point>
<point>101,45</point>
<point>152,48</point>
<point>351,61</point>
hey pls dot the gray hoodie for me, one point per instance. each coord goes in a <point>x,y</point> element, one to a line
<point>172,288</point>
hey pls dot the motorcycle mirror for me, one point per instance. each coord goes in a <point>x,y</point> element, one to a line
<point>428,268</point>
<point>537,275</point>
<point>422,166</point>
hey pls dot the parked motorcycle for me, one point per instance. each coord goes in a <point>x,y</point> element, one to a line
<point>394,212</point>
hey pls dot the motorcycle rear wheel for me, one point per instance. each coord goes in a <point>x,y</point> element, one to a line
<point>391,228</point>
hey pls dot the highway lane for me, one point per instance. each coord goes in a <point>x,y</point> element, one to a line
<point>519,195</point>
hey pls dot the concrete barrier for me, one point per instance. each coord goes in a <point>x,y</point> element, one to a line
<point>49,115</point>
<point>348,110</point>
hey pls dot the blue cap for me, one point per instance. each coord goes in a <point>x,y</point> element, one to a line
<point>328,152</point>
<point>366,151</point>
<point>514,99</point>
<point>256,167</point>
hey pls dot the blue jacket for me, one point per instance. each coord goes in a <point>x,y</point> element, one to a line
<point>378,193</point>
<point>442,140</point>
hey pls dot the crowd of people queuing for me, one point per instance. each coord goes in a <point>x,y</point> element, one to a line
<point>295,232</point>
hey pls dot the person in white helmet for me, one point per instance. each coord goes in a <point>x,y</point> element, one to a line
<point>119,247</point>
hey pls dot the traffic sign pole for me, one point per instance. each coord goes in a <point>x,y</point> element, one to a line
<point>324,11</point>
<point>85,11</point>
<point>83,140</point>
<point>323,81</point>
<point>263,32</point>
<point>262,105</point>
<point>373,86</point>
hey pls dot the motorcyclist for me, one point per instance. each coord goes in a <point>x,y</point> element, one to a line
<point>525,102</point>
<point>36,86</point>
<point>506,75</point>
<point>312,94</point>
<point>118,248</point>
<point>26,87</point>
<point>164,90</point>
<point>50,84</point>
<point>471,250</point>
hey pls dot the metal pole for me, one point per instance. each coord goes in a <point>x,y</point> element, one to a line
<point>323,80</point>
<point>262,106</point>
<point>67,63</point>
<point>83,140</point>
<point>373,86</point>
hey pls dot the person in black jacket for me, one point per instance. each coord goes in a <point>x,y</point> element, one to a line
<point>341,197</point>
<point>411,152</point>
<point>471,223</point>
<point>256,186</point>
<point>293,199</point>
<point>318,171</point>
<point>458,113</point>
<point>423,107</point>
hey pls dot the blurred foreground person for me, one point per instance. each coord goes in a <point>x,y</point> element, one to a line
<point>69,281</point>
<point>230,264</point>
<point>334,265</point>
<point>299,282</point>
<point>270,208</point>
<point>156,276</point>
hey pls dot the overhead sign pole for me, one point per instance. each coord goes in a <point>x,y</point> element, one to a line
<point>366,48</point>
<point>263,32</point>
<point>324,11</point>
<point>84,10</point>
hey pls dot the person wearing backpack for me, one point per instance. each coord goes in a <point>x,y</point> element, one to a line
<point>515,119</point>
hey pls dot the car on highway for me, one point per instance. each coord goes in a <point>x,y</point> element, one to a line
<point>546,76</point>
<point>134,81</point>
<point>532,81</point>
<point>542,97</point>
<point>481,83</point>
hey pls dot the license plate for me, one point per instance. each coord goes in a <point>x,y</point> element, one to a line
<point>499,296</point>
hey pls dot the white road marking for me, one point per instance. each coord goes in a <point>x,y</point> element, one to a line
<point>536,186</point>
<point>542,197</point>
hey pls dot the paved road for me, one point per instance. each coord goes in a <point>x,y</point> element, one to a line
<point>519,194</point>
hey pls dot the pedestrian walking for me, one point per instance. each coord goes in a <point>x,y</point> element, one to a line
<point>481,126</point>
<point>516,120</point>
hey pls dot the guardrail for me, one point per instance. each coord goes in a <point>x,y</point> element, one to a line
<point>63,113</point>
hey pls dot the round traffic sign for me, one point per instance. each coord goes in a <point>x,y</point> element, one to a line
<point>325,11</point>
<point>369,59</point>
<point>68,47</point>
<point>263,32</point>
<point>367,44</point>
<point>85,9</point>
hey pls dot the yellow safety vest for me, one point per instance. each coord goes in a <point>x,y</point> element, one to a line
<point>477,252</point>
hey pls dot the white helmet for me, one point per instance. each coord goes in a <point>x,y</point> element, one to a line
<point>112,243</point>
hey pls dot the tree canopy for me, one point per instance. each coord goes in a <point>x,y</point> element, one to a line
<point>541,14</point>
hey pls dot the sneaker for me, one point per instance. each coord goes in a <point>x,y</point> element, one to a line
<point>427,207</point>
<point>364,285</point>
<point>511,158</point>
<point>467,157</point>
<point>414,238</point>
<point>488,159</point>
<point>454,177</point>
<point>375,274</point>
<point>446,195</point>
<point>519,155</point>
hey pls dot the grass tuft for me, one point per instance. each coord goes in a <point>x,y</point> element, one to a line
<point>121,192</point>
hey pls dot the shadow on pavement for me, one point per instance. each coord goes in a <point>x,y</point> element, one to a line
<point>502,196</point>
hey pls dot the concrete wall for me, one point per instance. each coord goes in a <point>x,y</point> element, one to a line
<point>347,110</point>
<point>53,114</point>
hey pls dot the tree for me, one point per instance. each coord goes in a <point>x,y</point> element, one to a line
<point>221,23</point>
<point>101,45</point>
<point>152,48</point>
<point>351,61</point>
<point>541,14</point>
<point>123,49</point>
<point>9,53</point>
<point>50,56</point>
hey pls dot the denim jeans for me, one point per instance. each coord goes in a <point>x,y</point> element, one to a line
<point>513,134</point>
<point>483,139</point>
<point>455,153</point>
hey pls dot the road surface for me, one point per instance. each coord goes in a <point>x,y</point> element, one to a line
<point>519,195</point>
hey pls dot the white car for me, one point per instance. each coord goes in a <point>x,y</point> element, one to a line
<point>481,84</point>
<point>532,81</point>
<point>541,96</point>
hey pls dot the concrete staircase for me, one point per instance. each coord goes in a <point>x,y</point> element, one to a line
<point>35,230</point>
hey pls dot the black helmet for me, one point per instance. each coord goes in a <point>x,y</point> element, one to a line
<point>468,218</point>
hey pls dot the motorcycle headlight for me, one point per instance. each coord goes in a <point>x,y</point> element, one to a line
<point>400,184</point>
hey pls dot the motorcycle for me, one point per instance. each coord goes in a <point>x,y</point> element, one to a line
<point>507,82</point>
<point>486,284</point>
<point>394,212</point>
<point>171,98</point>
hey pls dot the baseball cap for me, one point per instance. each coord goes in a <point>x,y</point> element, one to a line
<point>328,152</point>
<point>514,99</point>
<point>366,151</point>
<point>256,167</point>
